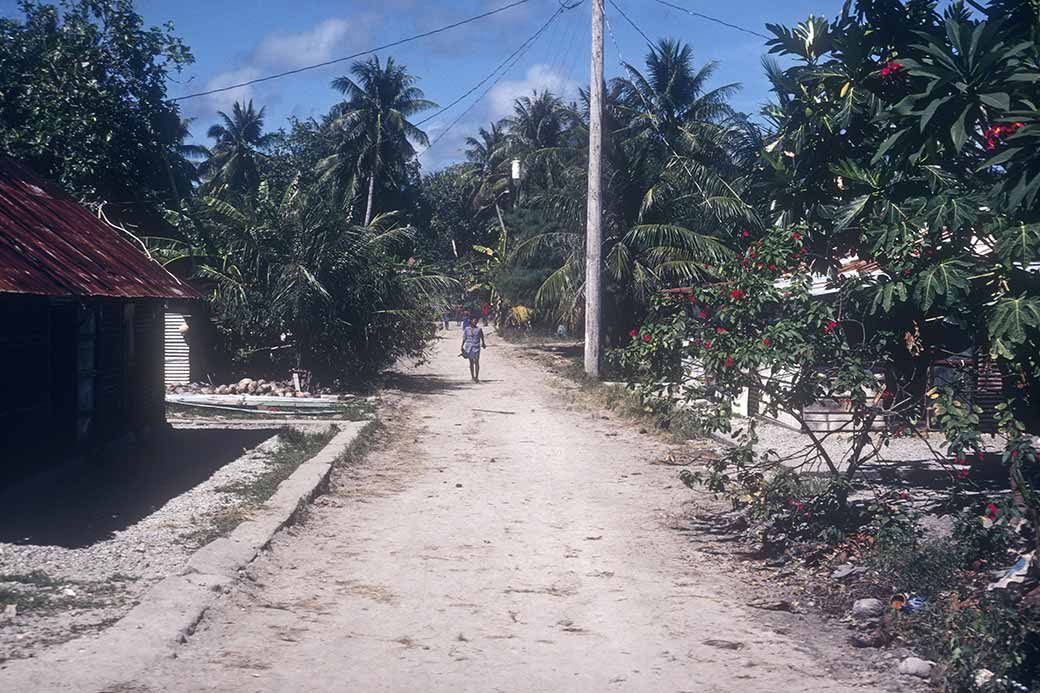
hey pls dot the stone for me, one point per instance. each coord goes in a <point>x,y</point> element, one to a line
<point>868,608</point>
<point>10,612</point>
<point>847,570</point>
<point>915,666</point>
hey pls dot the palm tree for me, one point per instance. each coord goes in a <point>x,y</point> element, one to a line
<point>373,122</point>
<point>487,169</point>
<point>240,142</point>
<point>671,105</point>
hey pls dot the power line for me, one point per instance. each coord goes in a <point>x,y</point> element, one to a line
<point>376,49</point>
<point>712,19</point>
<point>496,70</point>
<point>634,26</point>
<point>519,53</point>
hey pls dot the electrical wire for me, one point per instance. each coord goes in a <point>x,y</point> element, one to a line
<point>519,53</point>
<point>376,49</point>
<point>634,25</point>
<point>499,67</point>
<point>709,18</point>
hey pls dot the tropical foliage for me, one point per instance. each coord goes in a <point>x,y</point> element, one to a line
<point>83,101</point>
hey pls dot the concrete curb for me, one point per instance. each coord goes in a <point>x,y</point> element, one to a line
<point>170,611</point>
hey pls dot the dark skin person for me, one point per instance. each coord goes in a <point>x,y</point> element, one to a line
<point>474,364</point>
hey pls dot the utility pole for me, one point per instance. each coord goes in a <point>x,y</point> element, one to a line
<point>594,219</point>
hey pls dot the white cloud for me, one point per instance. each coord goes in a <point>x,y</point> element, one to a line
<point>539,78</point>
<point>223,101</point>
<point>330,39</point>
<point>276,52</point>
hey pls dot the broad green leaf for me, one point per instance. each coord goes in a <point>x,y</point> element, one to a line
<point>959,131</point>
<point>999,100</point>
<point>1019,243</point>
<point>948,279</point>
<point>1011,322</point>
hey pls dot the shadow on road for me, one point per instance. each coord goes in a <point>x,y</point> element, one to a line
<point>424,384</point>
<point>85,502</point>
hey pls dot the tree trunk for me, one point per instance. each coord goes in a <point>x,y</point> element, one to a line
<point>371,197</point>
<point>375,171</point>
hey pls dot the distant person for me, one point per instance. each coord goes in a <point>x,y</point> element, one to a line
<point>446,316</point>
<point>472,341</point>
<point>486,310</point>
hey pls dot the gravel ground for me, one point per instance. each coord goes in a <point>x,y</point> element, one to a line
<point>60,592</point>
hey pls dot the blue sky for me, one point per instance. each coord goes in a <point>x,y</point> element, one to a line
<point>236,40</point>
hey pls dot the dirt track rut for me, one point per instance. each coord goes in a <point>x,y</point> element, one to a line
<point>491,551</point>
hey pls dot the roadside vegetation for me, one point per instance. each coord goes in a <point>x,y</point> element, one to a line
<point>868,242</point>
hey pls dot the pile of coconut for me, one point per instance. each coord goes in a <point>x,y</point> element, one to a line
<point>245,386</point>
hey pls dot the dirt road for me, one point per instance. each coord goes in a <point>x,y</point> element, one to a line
<point>495,540</point>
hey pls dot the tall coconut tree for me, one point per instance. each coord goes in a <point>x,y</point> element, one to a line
<point>240,141</point>
<point>373,123</point>
<point>487,169</point>
<point>671,104</point>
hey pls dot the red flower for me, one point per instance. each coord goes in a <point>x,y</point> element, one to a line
<point>745,234</point>
<point>961,460</point>
<point>720,330</point>
<point>646,338</point>
<point>702,315</point>
<point>707,344</point>
<point>992,511</point>
<point>830,326</point>
<point>1014,454</point>
<point>906,273</point>
<point>962,474</point>
<point>767,341</point>
<point>797,236</point>
<point>890,68</point>
<point>632,333</point>
<point>904,495</point>
<point>772,266</point>
<point>729,361</point>
<point>737,294</point>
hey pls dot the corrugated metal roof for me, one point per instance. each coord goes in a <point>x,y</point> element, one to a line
<point>50,245</point>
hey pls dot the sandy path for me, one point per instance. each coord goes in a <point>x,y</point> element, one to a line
<point>478,551</point>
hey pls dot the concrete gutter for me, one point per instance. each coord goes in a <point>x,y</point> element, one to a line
<point>170,611</point>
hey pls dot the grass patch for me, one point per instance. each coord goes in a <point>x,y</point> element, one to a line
<point>295,447</point>
<point>596,395</point>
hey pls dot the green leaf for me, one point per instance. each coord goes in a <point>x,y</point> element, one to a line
<point>999,100</point>
<point>930,110</point>
<point>888,144</point>
<point>1005,155</point>
<point>959,131</point>
<point>1011,322</point>
<point>1019,243</point>
<point>948,279</point>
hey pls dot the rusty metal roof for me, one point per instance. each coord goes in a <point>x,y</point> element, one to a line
<point>50,245</point>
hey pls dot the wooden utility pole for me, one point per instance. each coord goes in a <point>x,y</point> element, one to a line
<point>594,220</point>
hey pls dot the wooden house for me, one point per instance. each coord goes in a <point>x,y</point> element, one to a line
<point>81,325</point>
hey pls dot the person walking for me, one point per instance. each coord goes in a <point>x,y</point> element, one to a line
<point>472,341</point>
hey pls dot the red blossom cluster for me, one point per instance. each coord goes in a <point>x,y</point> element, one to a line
<point>994,134</point>
<point>830,326</point>
<point>890,68</point>
<point>737,294</point>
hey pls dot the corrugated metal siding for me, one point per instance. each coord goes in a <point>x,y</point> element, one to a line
<point>50,245</point>
<point>178,358</point>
